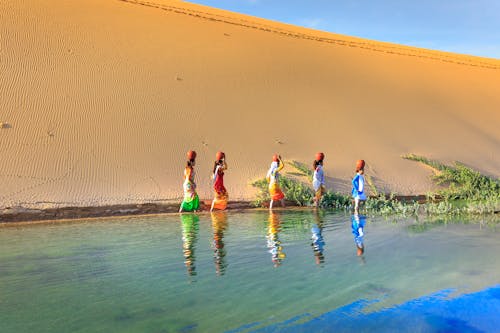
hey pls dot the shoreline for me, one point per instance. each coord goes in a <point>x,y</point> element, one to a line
<point>63,214</point>
<point>94,212</point>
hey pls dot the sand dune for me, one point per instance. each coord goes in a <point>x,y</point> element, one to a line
<point>101,100</point>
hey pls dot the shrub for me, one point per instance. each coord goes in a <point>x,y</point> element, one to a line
<point>262,192</point>
<point>303,169</point>
<point>335,201</point>
<point>390,205</point>
<point>463,182</point>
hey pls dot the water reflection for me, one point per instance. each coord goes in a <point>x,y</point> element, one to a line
<point>219,225</point>
<point>357,226</point>
<point>273,241</point>
<point>318,244</point>
<point>190,229</point>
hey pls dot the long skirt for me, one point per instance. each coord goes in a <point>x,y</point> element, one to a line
<point>191,200</point>
<point>319,193</point>
<point>275,192</point>
<point>220,199</point>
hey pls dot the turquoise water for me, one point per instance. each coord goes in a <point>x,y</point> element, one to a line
<point>292,271</point>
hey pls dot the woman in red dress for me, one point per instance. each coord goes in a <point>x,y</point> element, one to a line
<point>221,196</point>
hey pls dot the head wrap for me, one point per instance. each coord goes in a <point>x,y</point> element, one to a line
<point>191,155</point>
<point>219,156</point>
<point>360,165</point>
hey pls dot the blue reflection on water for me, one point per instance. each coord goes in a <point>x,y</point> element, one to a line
<point>357,225</point>
<point>475,312</point>
<point>318,243</point>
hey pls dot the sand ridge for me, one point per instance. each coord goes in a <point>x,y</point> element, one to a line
<point>103,99</point>
<point>296,32</point>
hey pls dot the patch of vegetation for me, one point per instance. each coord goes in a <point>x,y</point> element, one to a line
<point>373,188</point>
<point>424,160</point>
<point>336,201</point>
<point>467,192</point>
<point>303,169</point>
<point>295,190</point>
<point>262,192</point>
<point>440,208</point>
<point>384,205</point>
<point>463,182</point>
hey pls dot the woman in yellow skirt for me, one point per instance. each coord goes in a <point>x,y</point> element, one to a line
<point>273,178</point>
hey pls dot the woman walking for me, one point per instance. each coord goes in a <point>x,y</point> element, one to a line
<point>191,200</point>
<point>273,179</point>
<point>318,179</point>
<point>358,185</point>
<point>221,196</point>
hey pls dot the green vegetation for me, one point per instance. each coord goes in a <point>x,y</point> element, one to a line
<point>463,182</point>
<point>262,192</point>
<point>296,191</point>
<point>465,191</point>
<point>303,169</point>
<point>373,188</point>
<point>336,201</point>
<point>391,205</point>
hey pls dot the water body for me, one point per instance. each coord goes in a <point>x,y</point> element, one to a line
<point>291,271</point>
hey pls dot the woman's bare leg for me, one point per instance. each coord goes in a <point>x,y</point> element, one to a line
<point>356,205</point>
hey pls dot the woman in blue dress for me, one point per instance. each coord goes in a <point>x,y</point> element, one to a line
<point>358,185</point>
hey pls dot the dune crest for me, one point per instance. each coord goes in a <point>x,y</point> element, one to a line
<point>100,100</point>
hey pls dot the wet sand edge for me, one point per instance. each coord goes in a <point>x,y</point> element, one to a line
<point>61,214</point>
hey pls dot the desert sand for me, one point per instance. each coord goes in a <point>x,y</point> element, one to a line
<point>101,99</point>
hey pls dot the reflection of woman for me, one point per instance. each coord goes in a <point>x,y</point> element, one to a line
<point>273,242</point>
<point>219,225</point>
<point>191,201</point>
<point>189,235</point>
<point>318,178</point>
<point>273,179</point>
<point>221,196</point>
<point>357,225</point>
<point>318,244</point>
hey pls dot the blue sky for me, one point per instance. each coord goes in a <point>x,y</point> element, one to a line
<point>462,26</point>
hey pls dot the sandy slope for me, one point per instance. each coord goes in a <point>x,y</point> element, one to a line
<point>104,97</point>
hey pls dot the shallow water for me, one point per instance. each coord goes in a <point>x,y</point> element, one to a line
<point>292,271</point>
